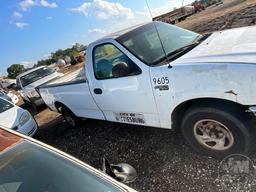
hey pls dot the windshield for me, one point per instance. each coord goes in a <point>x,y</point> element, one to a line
<point>35,75</point>
<point>144,43</point>
<point>4,105</point>
<point>28,167</point>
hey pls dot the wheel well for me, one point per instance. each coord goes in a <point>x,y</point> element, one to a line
<point>58,105</point>
<point>180,110</point>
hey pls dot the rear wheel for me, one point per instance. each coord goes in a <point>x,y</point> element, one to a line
<point>70,118</point>
<point>217,132</point>
<point>34,106</point>
<point>31,104</point>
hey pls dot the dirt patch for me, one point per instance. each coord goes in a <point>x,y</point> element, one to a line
<point>228,15</point>
<point>71,68</point>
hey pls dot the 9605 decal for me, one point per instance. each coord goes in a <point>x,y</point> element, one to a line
<point>161,83</point>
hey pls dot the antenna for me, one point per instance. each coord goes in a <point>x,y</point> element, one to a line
<point>158,35</point>
<point>182,3</point>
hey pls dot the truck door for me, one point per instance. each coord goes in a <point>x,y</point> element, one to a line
<point>120,85</point>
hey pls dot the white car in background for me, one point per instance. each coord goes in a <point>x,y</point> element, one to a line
<point>9,96</point>
<point>16,118</point>
<point>7,83</point>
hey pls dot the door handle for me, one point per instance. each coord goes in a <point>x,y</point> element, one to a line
<point>97,91</point>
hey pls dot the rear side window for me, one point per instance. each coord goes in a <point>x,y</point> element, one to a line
<point>110,62</point>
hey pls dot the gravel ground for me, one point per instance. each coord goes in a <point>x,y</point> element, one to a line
<point>241,18</point>
<point>162,159</point>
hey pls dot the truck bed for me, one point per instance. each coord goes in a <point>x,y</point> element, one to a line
<point>77,76</point>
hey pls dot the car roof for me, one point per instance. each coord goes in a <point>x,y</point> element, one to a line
<point>8,140</point>
<point>29,71</point>
<point>119,33</point>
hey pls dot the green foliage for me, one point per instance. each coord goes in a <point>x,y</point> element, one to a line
<point>72,52</point>
<point>59,54</point>
<point>14,70</point>
<point>44,62</point>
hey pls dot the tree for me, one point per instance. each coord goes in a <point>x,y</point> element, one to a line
<point>14,70</point>
<point>44,62</point>
<point>59,54</point>
<point>71,52</point>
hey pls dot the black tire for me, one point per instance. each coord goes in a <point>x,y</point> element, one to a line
<point>31,104</point>
<point>34,106</point>
<point>70,118</point>
<point>237,123</point>
<point>38,134</point>
<point>26,103</point>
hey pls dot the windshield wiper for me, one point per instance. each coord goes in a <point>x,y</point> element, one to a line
<point>177,52</point>
<point>174,54</point>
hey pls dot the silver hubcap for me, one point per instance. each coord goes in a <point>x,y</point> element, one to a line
<point>213,134</point>
<point>70,120</point>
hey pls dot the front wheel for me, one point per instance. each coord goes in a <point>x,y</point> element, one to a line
<point>217,132</point>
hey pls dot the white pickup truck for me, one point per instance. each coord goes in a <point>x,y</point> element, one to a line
<point>28,81</point>
<point>204,85</point>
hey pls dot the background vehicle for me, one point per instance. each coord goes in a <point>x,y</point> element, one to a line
<point>15,98</point>
<point>5,96</point>
<point>7,83</point>
<point>29,165</point>
<point>195,84</point>
<point>9,96</point>
<point>28,81</point>
<point>16,118</point>
<point>180,14</point>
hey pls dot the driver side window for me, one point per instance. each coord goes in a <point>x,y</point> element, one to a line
<point>110,62</point>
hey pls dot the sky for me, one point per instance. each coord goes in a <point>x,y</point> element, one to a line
<point>32,29</point>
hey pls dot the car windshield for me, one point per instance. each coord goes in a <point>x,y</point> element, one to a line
<point>35,75</point>
<point>144,43</point>
<point>4,105</point>
<point>28,167</point>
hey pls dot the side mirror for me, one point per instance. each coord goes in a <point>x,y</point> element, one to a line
<point>120,70</point>
<point>122,172</point>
